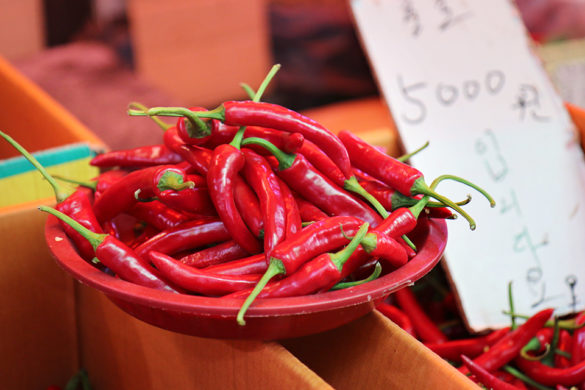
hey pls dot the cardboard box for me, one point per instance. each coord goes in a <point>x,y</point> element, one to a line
<point>52,325</point>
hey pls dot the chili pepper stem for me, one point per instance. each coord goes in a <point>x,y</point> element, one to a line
<point>373,276</point>
<point>513,324</point>
<point>265,82</point>
<point>534,345</point>
<point>139,106</point>
<point>469,184</point>
<point>95,239</point>
<point>524,378</point>
<point>173,181</point>
<point>339,258</point>
<point>249,91</point>
<point>276,267</point>
<point>420,187</point>
<point>201,129</point>
<point>59,194</point>
<point>563,324</point>
<point>87,184</point>
<point>353,185</point>
<point>407,156</point>
<point>285,160</point>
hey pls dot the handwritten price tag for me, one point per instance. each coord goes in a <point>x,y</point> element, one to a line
<point>460,74</point>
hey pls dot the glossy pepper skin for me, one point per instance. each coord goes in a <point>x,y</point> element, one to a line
<point>484,377</point>
<point>143,156</point>
<point>508,347</point>
<point>249,113</point>
<point>383,167</point>
<point>78,206</point>
<point>552,376</point>
<point>470,347</point>
<point>262,179</point>
<point>255,264</point>
<point>216,254</point>
<point>293,215</point>
<point>157,214</point>
<point>226,163</point>
<point>189,235</point>
<point>424,327</point>
<point>308,211</point>
<point>199,281</point>
<point>312,185</point>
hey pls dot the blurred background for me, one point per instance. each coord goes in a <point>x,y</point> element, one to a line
<point>96,56</point>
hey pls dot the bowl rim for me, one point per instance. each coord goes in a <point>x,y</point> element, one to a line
<point>431,250</point>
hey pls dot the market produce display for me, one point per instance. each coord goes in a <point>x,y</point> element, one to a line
<point>541,352</point>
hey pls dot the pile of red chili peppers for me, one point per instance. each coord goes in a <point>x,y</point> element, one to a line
<point>249,200</point>
<point>542,352</point>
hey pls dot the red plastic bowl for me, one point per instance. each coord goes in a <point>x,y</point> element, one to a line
<point>267,319</point>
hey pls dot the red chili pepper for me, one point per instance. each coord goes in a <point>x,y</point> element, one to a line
<point>225,164</point>
<point>407,180</point>
<point>157,215</point>
<point>117,256</point>
<point>192,130</point>
<point>470,347</point>
<point>293,216</point>
<point>509,346</point>
<point>248,205</point>
<point>380,245</point>
<point>308,211</point>
<point>143,156</point>
<point>198,157</point>
<point>578,347</point>
<point>565,345</point>
<point>322,272</point>
<point>552,376</point>
<point>193,200</point>
<point>424,327</point>
<point>312,185</point>
<point>397,316</point>
<point>255,264</point>
<point>77,206</point>
<point>198,281</point>
<point>262,179</point>
<point>216,254</point>
<point>187,236</point>
<point>121,195</point>
<point>484,377</point>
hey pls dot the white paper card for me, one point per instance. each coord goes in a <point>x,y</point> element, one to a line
<point>460,74</point>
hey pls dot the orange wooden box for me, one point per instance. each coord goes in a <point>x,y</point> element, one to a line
<point>52,325</point>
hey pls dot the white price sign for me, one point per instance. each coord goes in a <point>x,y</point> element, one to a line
<point>461,74</point>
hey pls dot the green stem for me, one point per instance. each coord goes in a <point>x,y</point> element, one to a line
<point>59,194</point>
<point>420,187</point>
<point>249,91</point>
<point>524,378</point>
<point>513,324</point>
<point>265,82</point>
<point>94,239</point>
<point>339,258</point>
<point>139,106</point>
<point>276,267</point>
<point>199,126</point>
<point>549,358</point>
<point>92,185</point>
<point>469,184</point>
<point>285,160</point>
<point>405,157</point>
<point>373,276</point>
<point>353,185</point>
<point>563,324</point>
<point>173,181</point>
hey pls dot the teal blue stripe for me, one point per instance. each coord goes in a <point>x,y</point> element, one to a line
<point>47,158</point>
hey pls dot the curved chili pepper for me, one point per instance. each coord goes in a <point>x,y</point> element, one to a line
<point>308,211</point>
<point>198,281</point>
<point>255,264</point>
<point>189,235</point>
<point>117,256</point>
<point>484,377</point>
<point>198,157</point>
<point>424,327</point>
<point>578,347</point>
<point>397,316</point>
<point>322,272</point>
<point>248,205</point>
<point>509,346</point>
<point>380,245</point>
<point>194,200</point>
<point>262,179</point>
<point>293,216</point>
<point>552,376</point>
<point>121,195</point>
<point>143,156</point>
<point>470,347</point>
<point>77,205</point>
<point>253,113</point>
<point>226,162</point>
<point>192,130</point>
<point>407,180</point>
<point>157,214</point>
<point>564,345</point>
<point>216,254</point>
<point>312,185</point>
